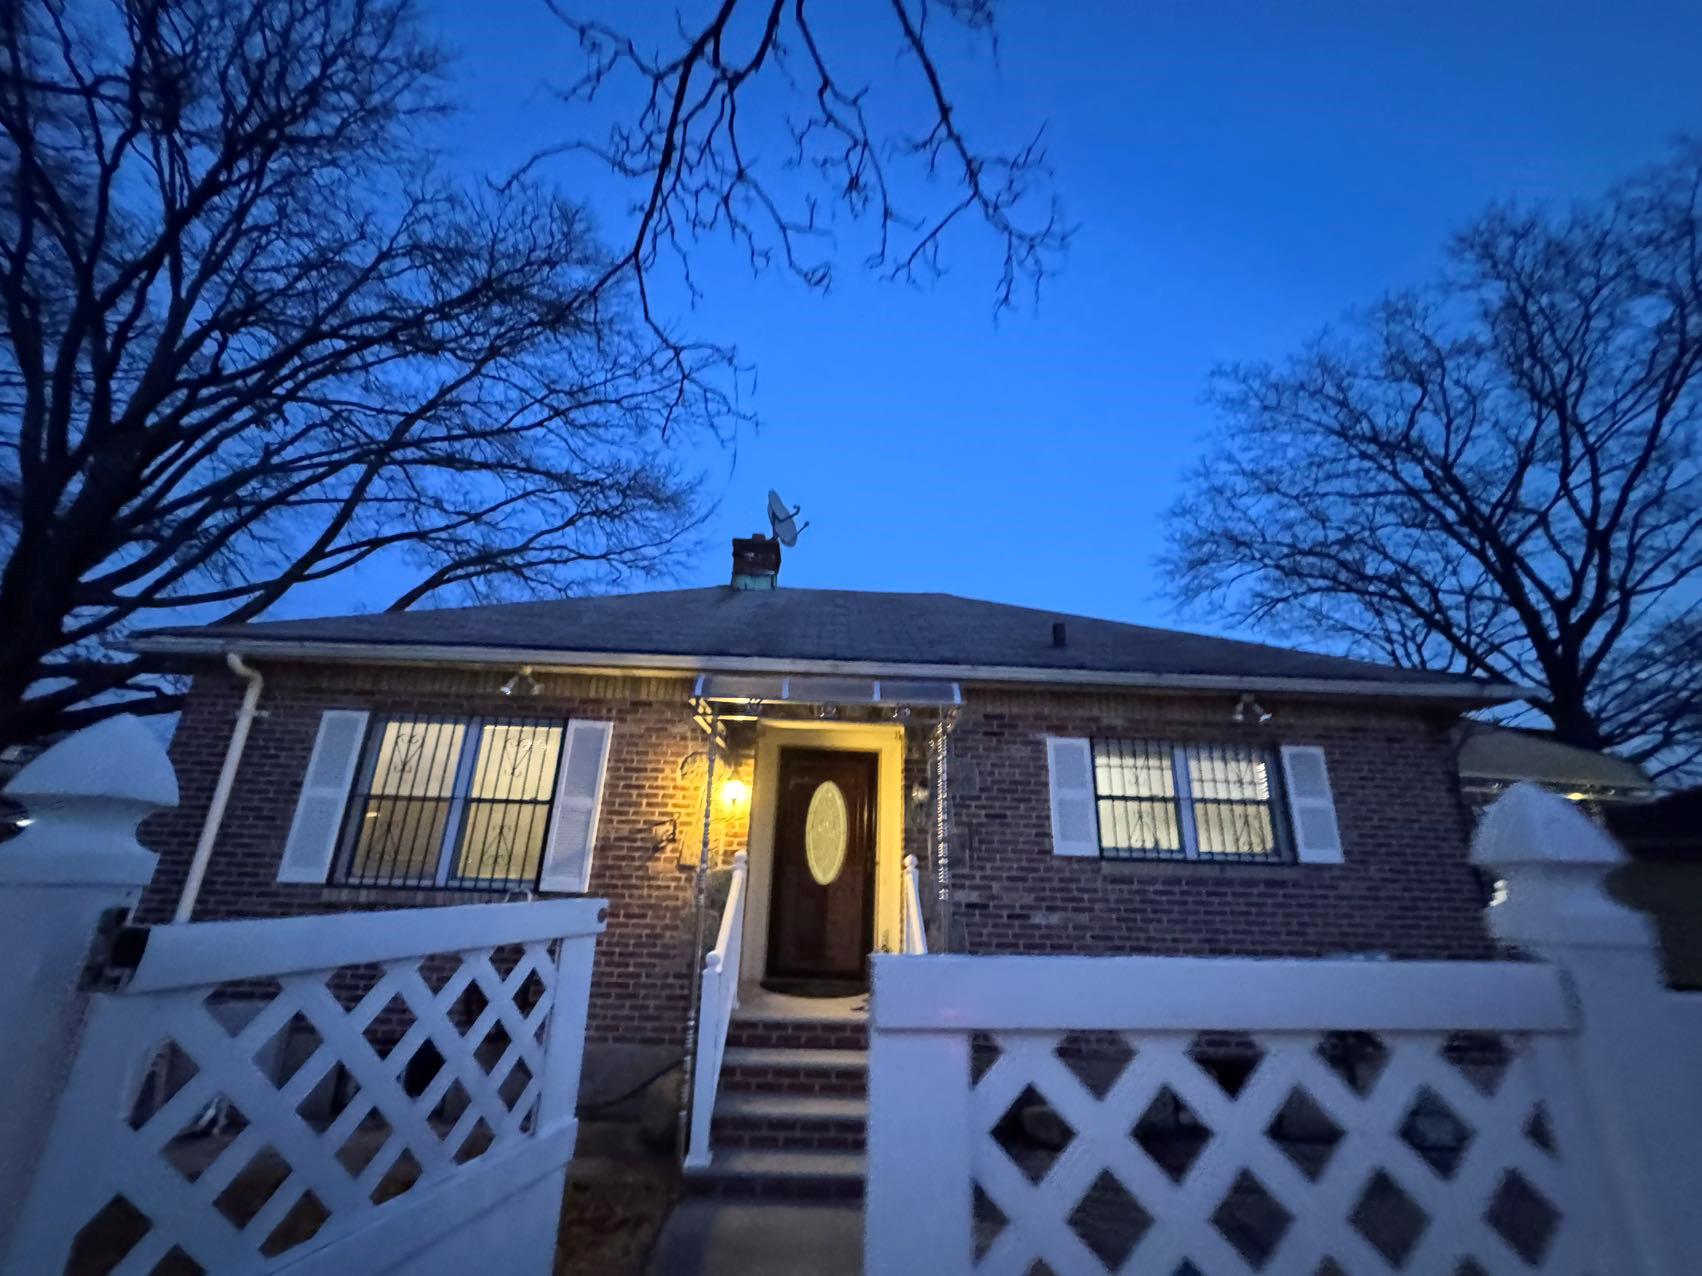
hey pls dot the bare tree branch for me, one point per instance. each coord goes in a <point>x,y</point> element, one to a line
<point>252,340</point>
<point>700,166</point>
<point>1498,474</point>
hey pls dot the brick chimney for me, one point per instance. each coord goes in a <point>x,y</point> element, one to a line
<point>756,562</point>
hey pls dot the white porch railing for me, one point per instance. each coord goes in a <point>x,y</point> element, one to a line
<point>720,997</point>
<point>915,935</point>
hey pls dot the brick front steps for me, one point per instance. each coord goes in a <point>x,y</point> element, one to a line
<point>771,1070</point>
<point>799,1034</point>
<point>791,1111</point>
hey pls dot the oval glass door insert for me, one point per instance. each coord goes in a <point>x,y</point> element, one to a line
<point>827,830</point>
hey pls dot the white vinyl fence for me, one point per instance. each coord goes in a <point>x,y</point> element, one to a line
<point>1201,1117</point>
<point>366,1092</point>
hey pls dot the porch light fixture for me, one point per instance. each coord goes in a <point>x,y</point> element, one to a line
<point>735,792</point>
<point>521,684</point>
<point>1248,709</point>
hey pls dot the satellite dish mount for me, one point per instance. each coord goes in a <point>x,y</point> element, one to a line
<point>784,521</point>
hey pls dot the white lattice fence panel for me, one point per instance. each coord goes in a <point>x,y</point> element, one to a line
<point>1291,1152</point>
<point>219,1128</point>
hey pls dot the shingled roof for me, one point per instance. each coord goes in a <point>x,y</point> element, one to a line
<point>802,628</point>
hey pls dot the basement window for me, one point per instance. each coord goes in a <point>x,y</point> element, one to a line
<point>1212,802</point>
<point>455,802</point>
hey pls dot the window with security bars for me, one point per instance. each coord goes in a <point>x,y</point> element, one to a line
<point>459,802</point>
<point>1188,801</point>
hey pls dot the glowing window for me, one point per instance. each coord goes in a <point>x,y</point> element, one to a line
<point>451,802</point>
<point>827,832</point>
<point>1188,801</point>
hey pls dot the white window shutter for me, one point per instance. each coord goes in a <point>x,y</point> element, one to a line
<point>1317,835</point>
<point>324,791</point>
<point>1075,818</point>
<point>579,795</point>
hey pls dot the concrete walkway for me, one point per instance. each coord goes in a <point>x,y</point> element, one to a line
<point>708,1237</point>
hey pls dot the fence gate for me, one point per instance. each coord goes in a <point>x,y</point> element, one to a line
<point>1220,1117</point>
<point>362,1092</point>
<point>1197,1128</point>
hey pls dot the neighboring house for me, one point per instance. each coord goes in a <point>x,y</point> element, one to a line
<point>1663,839</point>
<point>1494,757</point>
<point>1069,785</point>
<point>1662,835</point>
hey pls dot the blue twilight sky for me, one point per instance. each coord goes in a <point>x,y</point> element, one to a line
<point>1241,173</point>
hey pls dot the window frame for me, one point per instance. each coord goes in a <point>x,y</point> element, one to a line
<point>459,800</point>
<point>1284,843</point>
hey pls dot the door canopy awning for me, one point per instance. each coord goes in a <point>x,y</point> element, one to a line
<point>748,689</point>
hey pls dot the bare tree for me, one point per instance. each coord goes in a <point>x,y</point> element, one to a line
<point>754,124</point>
<point>1497,474</point>
<point>254,339</point>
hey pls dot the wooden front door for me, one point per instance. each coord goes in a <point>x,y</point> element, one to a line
<point>822,909</point>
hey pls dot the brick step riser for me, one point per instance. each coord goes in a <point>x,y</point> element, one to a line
<point>822,1136</point>
<point>837,1081</point>
<point>776,1189</point>
<point>747,1033</point>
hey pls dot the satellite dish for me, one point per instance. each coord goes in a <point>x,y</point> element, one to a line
<point>783,520</point>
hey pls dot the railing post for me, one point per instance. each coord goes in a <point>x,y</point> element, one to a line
<point>917,1202</point>
<point>1639,1045</point>
<point>732,939</point>
<point>75,868</point>
<point>701,1097</point>
<point>912,930</point>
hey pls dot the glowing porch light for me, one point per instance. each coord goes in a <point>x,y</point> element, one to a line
<point>734,792</point>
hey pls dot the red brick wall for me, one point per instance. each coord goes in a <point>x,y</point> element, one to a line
<point>654,792</point>
<point>1405,889</point>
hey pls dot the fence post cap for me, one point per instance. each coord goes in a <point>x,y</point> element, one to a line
<point>117,759</point>
<point>1552,861</point>
<point>1530,825</point>
<point>86,795</point>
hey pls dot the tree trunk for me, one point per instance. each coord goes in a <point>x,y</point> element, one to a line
<point>1574,724</point>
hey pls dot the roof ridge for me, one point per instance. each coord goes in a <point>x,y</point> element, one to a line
<point>801,626</point>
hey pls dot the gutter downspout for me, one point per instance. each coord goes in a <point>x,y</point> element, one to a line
<point>221,790</point>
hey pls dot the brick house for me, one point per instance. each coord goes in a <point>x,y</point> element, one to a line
<point>1034,783</point>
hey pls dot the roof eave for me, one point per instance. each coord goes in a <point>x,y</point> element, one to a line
<point>616,662</point>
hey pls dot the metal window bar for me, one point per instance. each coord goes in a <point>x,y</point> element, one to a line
<point>1211,802</point>
<point>1235,802</point>
<point>1140,809</point>
<point>506,811</point>
<point>456,802</point>
<point>397,816</point>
